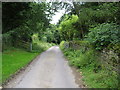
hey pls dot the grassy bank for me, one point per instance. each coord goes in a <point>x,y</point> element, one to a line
<point>13,60</point>
<point>94,75</point>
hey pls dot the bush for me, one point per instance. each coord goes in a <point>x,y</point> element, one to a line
<point>78,44</point>
<point>44,39</point>
<point>64,44</point>
<point>37,48</point>
<point>86,58</point>
<point>79,58</point>
<point>103,35</point>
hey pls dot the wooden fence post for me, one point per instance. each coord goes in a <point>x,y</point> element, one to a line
<point>30,46</point>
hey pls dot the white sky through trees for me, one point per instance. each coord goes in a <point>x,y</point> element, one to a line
<point>57,16</point>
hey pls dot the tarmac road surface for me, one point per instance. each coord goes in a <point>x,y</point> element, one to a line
<point>48,70</point>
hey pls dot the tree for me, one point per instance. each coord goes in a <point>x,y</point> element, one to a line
<point>21,20</point>
<point>67,30</point>
<point>92,14</point>
<point>13,15</point>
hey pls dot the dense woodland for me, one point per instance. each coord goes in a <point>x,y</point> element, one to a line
<point>88,34</point>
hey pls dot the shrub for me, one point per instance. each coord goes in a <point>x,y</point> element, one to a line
<point>36,47</point>
<point>64,44</point>
<point>103,35</point>
<point>78,44</point>
<point>79,58</point>
<point>44,39</point>
<point>84,58</point>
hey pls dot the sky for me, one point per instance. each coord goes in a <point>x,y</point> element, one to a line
<point>57,16</point>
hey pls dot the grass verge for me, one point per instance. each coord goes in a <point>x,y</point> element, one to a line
<point>13,60</point>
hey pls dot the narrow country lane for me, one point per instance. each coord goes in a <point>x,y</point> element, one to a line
<point>49,70</point>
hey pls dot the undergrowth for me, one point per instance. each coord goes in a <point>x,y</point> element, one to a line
<point>94,75</point>
<point>40,46</point>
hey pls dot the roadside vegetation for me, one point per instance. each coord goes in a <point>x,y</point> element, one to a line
<point>88,33</point>
<point>95,75</point>
<point>91,42</point>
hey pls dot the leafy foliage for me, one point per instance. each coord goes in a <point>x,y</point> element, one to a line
<point>94,75</point>
<point>13,15</point>
<point>39,45</point>
<point>66,28</point>
<point>92,14</point>
<point>29,18</point>
<point>103,35</point>
<point>51,34</point>
<point>62,45</point>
